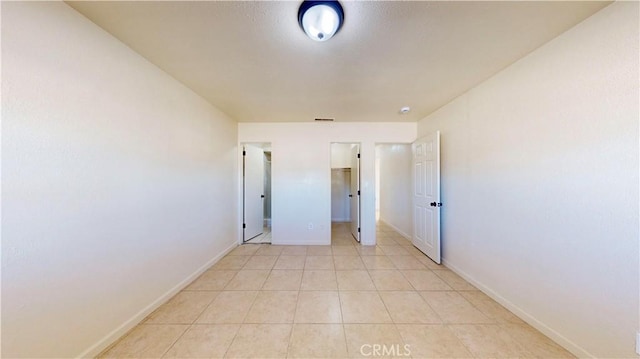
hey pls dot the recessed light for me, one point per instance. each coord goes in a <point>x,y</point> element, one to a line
<point>405,110</point>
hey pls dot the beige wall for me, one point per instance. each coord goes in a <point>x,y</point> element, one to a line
<point>540,184</point>
<point>116,185</point>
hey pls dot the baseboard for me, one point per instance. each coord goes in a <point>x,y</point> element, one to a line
<point>340,220</point>
<point>116,334</point>
<point>395,229</point>
<point>569,345</point>
<point>294,243</point>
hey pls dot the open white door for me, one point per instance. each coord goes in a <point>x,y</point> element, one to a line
<point>253,181</point>
<point>355,192</point>
<point>426,195</point>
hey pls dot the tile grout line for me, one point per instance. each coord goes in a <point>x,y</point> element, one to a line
<point>404,342</point>
<point>344,329</point>
<point>232,340</point>
<point>296,308</point>
<point>175,341</point>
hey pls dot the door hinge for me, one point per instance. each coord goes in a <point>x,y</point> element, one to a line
<point>358,229</point>
<point>358,155</point>
<point>244,153</point>
<point>244,226</point>
<point>358,192</point>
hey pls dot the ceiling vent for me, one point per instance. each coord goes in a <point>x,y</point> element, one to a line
<point>324,119</point>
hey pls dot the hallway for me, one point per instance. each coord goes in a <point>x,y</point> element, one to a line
<point>343,300</point>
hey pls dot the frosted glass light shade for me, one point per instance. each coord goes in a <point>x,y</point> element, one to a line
<point>320,20</point>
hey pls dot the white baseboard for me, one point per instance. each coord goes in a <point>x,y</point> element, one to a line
<point>402,233</point>
<point>574,348</point>
<point>340,220</point>
<point>295,243</point>
<point>123,329</point>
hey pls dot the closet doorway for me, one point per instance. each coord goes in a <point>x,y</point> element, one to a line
<point>345,192</point>
<point>256,193</point>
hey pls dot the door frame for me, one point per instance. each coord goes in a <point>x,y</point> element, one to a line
<point>355,177</point>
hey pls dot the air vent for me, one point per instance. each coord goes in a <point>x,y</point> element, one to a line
<point>324,119</point>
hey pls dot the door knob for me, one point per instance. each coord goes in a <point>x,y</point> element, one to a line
<point>432,204</point>
<point>261,196</point>
<point>350,195</point>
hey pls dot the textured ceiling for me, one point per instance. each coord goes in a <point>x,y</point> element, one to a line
<point>252,61</point>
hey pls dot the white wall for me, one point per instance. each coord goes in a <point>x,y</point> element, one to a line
<point>395,186</point>
<point>341,155</point>
<point>117,183</point>
<point>301,173</point>
<point>540,184</point>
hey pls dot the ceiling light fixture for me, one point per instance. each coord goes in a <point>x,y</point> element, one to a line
<point>405,110</point>
<point>320,20</point>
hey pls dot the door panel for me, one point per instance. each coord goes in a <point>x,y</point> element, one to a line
<point>355,192</point>
<point>419,179</point>
<point>426,195</point>
<point>253,191</point>
<point>419,216</point>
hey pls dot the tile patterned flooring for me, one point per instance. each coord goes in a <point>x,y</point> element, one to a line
<point>338,301</point>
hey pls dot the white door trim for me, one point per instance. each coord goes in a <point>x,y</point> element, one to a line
<point>355,193</point>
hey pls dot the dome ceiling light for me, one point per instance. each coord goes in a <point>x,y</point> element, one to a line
<point>320,20</point>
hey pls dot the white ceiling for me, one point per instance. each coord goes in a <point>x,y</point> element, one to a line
<point>252,61</point>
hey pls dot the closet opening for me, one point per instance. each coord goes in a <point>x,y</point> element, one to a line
<point>345,192</point>
<point>256,193</point>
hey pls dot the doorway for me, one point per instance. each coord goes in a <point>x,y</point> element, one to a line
<point>345,192</point>
<point>408,194</point>
<point>393,187</point>
<point>256,193</point>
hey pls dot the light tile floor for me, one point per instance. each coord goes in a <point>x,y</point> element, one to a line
<point>338,301</point>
